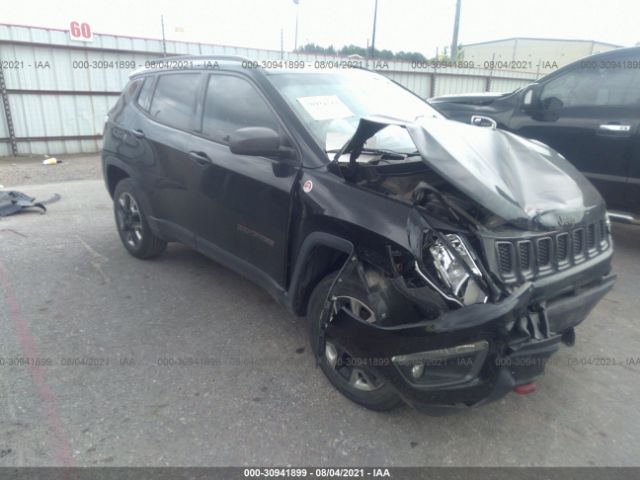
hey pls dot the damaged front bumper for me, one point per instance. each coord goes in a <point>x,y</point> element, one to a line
<point>470,356</point>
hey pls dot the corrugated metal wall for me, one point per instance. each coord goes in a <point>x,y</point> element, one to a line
<point>60,90</point>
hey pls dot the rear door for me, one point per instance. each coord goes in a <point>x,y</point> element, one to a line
<point>244,201</point>
<point>591,115</point>
<point>173,173</point>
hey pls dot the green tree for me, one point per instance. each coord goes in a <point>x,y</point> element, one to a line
<point>363,52</point>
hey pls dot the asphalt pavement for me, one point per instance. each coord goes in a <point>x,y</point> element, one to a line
<point>112,361</point>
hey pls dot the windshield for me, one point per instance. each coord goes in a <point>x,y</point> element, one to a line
<point>331,105</point>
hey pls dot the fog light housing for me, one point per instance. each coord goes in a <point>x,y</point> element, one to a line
<point>443,367</point>
<point>417,370</point>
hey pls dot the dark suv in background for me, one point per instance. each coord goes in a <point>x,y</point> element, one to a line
<point>438,263</point>
<point>589,111</point>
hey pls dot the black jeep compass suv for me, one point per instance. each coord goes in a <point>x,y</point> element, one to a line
<point>438,263</point>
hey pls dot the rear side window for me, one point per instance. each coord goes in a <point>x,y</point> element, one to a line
<point>234,103</point>
<point>174,99</point>
<point>620,86</point>
<point>145,93</point>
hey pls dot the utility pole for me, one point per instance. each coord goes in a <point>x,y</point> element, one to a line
<point>456,27</point>
<point>366,60</point>
<point>281,43</point>
<point>373,35</point>
<point>493,62</point>
<point>295,41</point>
<point>164,43</point>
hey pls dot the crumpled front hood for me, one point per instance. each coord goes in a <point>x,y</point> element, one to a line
<point>520,180</point>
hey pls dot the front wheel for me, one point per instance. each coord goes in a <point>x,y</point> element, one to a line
<point>359,384</point>
<point>133,228</point>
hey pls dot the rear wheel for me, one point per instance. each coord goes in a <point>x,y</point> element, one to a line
<point>358,383</point>
<point>133,228</point>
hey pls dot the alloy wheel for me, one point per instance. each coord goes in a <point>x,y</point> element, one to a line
<point>340,360</point>
<point>129,219</point>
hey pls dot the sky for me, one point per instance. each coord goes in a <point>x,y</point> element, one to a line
<point>410,25</point>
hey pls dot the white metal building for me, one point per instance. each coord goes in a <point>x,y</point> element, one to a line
<point>532,55</point>
<point>55,92</point>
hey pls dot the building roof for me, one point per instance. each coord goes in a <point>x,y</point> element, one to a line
<point>575,40</point>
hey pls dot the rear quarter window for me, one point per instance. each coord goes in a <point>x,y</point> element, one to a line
<point>144,98</point>
<point>174,99</point>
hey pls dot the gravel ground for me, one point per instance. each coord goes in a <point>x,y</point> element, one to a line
<point>30,170</point>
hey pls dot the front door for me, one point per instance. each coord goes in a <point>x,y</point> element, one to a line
<point>244,201</point>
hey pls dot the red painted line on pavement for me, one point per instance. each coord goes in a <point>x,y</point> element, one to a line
<point>60,443</point>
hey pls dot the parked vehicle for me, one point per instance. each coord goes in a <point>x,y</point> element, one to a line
<point>438,263</point>
<point>589,111</point>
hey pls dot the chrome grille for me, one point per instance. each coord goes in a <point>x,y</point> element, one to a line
<point>543,255</point>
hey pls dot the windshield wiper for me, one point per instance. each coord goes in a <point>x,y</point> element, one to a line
<point>389,154</point>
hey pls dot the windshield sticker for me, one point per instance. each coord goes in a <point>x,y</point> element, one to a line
<point>325,107</point>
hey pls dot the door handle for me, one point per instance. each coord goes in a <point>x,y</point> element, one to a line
<point>138,133</point>
<point>614,128</point>
<point>200,158</point>
<point>482,121</point>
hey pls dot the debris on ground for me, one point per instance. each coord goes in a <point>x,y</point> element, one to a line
<point>13,202</point>
<point>51,161</point>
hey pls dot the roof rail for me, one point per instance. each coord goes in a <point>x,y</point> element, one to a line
<point>196,58</point>
<point>220,56</point>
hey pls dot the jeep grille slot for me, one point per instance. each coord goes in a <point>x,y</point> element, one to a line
<point>602,234</point>
<point>563,247</point>
<point>578,243</point>
<point>505,257</point>
<point>529,258</point>
<point>525,255</point>
<point>591,236</point>
<point>544,252</point>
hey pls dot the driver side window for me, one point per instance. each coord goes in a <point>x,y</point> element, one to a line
<point>232,103</point>
<point>577,88</point>
<point>608,85</point>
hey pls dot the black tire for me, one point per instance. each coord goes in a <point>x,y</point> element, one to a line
<point>383,397</point>
<point>132,225</point>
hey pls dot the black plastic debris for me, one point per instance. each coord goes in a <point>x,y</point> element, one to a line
<point>13,202</point>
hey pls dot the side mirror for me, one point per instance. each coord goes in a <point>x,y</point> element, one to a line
<point>531,98</point>
<point>258,141</point>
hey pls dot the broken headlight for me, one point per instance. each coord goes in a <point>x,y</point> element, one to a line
<point>453,274</point>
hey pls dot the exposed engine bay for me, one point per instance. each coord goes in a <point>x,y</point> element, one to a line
<point>495,177</point>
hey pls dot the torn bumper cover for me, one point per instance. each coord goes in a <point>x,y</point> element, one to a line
<point>469,356</point>
<point>13,202</point>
